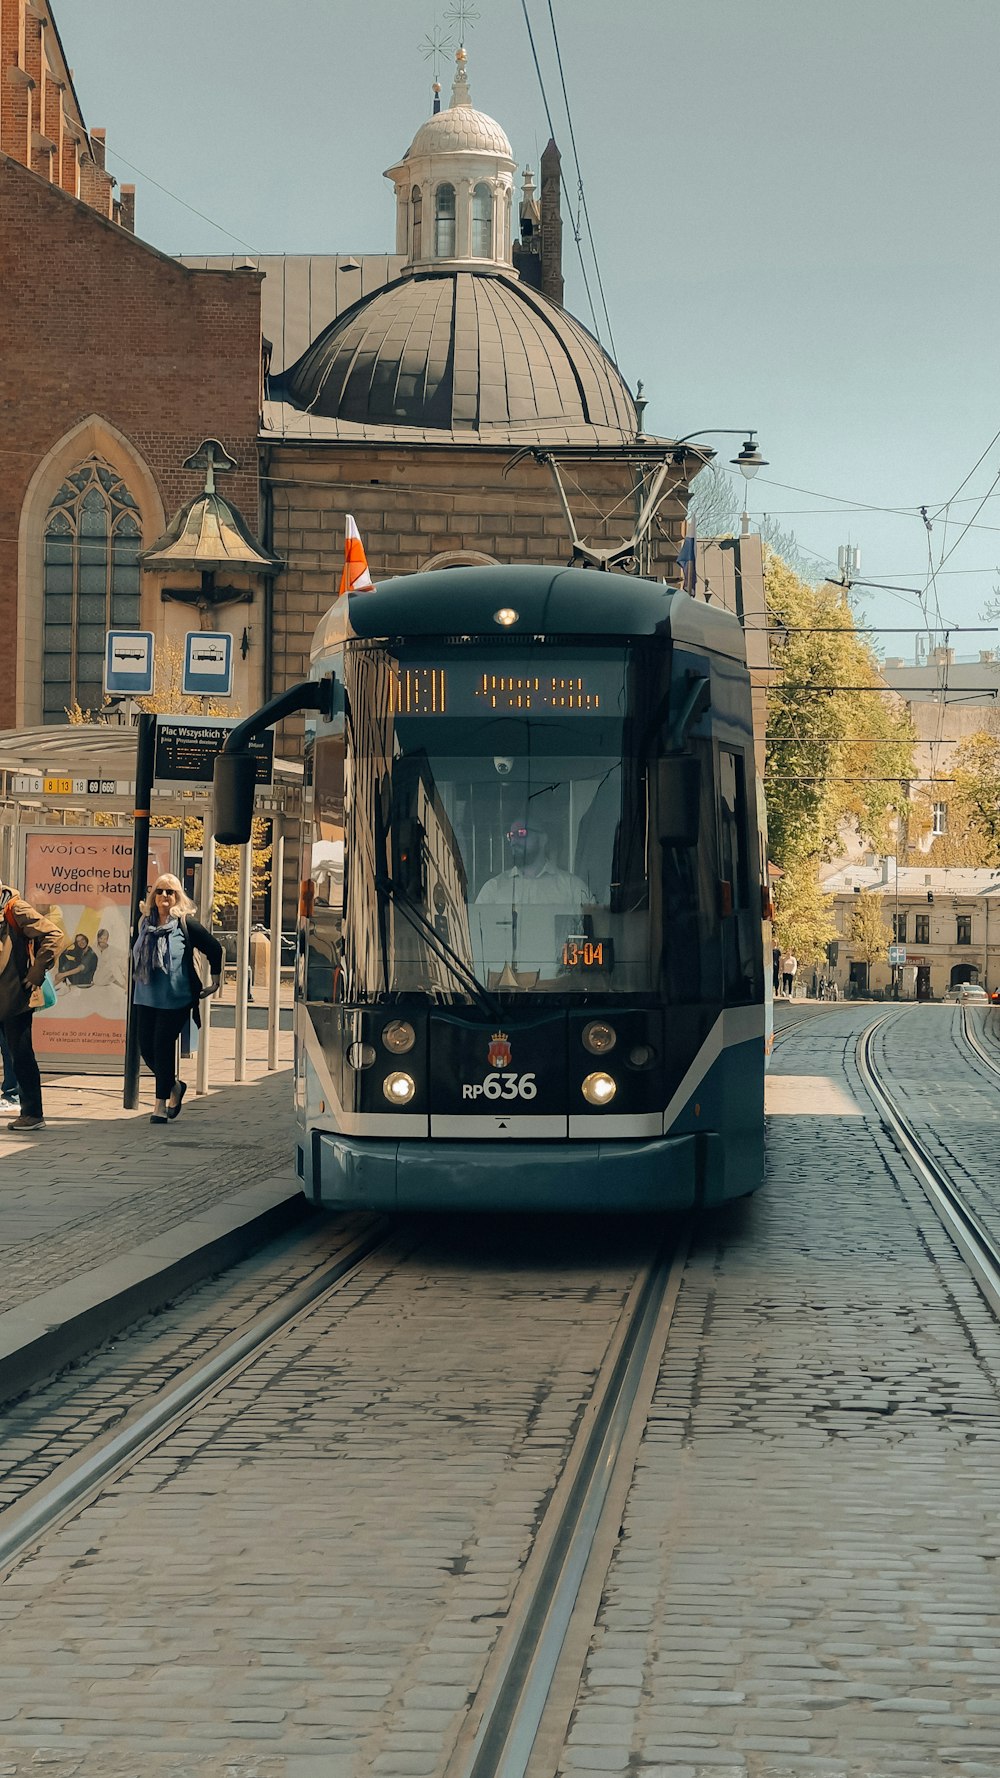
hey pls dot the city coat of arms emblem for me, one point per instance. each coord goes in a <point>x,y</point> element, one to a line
<point>498,1054</point>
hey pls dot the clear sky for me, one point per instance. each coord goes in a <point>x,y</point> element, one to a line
<point>793,202</point>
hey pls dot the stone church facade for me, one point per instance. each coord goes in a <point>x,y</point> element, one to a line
<point>427,391</point>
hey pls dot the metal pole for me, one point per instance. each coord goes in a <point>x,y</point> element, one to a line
<point>207,898</point>
<point>274,980</point>
<point>243,957</point>
<point>144,756</point>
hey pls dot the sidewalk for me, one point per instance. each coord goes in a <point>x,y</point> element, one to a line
<point>104,1217</point>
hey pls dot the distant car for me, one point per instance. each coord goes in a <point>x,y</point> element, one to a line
<point>966,992</point>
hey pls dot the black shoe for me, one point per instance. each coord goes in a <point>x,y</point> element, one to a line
<point>175,1110</point>
<point>157,1119</point>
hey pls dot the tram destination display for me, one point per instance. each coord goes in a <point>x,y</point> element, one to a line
<point>520,685</point>
<point>186,748</point>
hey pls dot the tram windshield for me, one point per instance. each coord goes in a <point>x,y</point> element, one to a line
<point>481,825</point>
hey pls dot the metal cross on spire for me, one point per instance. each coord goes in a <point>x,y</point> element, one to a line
<point>435,44</point>
<point>464,15</point>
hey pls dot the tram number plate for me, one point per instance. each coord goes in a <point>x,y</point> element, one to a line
<point>503,1086</point>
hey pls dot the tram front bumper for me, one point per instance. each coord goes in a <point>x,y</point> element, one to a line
<point>657,1173</point>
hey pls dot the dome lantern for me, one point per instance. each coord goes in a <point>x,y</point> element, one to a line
<point>454,188</point>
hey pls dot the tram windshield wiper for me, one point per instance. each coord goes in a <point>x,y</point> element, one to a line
<point>448,955</point>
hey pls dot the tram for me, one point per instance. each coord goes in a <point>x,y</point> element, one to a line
<point>531,966</point>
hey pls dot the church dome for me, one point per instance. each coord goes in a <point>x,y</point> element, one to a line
<point>461,351</point>
<point>460,130</point>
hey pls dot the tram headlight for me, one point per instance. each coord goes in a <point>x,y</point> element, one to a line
<point>399,1037</point>
<point>361,1055</point>
<point>599,1038</point>
<point>398,1088</point>
<point>599,1088</point>
<point>506,616</point>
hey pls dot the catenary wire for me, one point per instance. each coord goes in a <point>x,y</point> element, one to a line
<point>562,177</point>
<point>579,182</point>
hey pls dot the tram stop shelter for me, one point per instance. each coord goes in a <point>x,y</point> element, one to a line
<point>67,796</point>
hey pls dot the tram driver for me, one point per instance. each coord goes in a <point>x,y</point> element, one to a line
<point>530,909</point>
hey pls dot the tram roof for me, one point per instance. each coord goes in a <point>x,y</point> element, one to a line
<point>548,601</point>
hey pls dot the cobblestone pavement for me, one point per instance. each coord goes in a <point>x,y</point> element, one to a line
<point>306,1581</point>
<point>98,1181</point>
<point>806,1580</point>
<point>307,1578</point>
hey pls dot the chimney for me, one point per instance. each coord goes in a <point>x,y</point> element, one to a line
<point>552,278</point>
<point>98,143</point>
<point>126,208</point>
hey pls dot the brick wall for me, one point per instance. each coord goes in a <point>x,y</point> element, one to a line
<point>41,124</point>
<point>412,504</point>
<point>93,321</point>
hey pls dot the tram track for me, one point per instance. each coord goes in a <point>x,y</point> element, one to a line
<point>977,1247</point>
<point>976,1045</point>
<point>521,1697</point>
<point>511,1704</point>
<point>72,1484</point>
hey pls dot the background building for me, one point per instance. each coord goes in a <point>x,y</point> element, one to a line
<point>947,920</point>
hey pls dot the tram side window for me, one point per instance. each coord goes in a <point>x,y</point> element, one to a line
<point>733,827</point>
<point>326,866</point>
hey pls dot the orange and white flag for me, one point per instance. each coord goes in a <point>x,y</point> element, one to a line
<point>355,578</point>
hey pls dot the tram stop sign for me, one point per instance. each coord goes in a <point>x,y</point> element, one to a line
<point>208,664</point>
<point>129,663</point>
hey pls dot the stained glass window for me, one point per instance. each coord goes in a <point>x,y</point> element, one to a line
<point>92,544</point>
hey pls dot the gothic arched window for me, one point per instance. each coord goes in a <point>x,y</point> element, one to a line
<point>92,544</point>
<point>482,223</point>
<point>444,222</point>
<point>416,221</point>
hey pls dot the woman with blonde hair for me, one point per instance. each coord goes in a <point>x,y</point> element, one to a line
<point>166,986</point>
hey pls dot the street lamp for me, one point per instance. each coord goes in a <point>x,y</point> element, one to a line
<point>748,461</point>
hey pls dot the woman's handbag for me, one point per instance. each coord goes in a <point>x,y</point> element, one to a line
<point>49,995</point>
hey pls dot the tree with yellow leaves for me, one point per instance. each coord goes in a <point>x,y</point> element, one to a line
<point>840,745</point>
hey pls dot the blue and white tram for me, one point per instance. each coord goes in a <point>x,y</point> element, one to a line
<point>531,972</point>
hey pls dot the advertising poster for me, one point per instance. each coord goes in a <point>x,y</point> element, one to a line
<point>81,878</point>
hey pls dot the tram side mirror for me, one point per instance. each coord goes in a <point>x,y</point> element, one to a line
<point>233,781</point>
<point>678,800</point>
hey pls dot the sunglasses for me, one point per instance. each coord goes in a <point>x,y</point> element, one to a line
<point>517,833</point>
<point>171,892</point>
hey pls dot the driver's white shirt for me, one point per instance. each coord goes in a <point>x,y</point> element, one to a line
<point>547,887</point>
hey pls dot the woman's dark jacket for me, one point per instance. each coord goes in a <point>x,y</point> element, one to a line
<point>197,938</point>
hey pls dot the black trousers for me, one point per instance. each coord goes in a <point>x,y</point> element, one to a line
<point>158,1029</point>
<point>17,1031</point>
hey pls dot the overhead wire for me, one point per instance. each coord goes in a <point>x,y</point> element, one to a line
<point>579,182</point>
<point>562,176</point>
<point>116,154</point>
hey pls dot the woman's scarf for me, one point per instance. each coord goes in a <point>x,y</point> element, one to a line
<point>151,951</point>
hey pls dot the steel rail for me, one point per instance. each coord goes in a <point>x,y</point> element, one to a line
<point>80,1477</point>
<point>513,1711</point>
<point>976,1246</point>
<point>975,1045</point>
